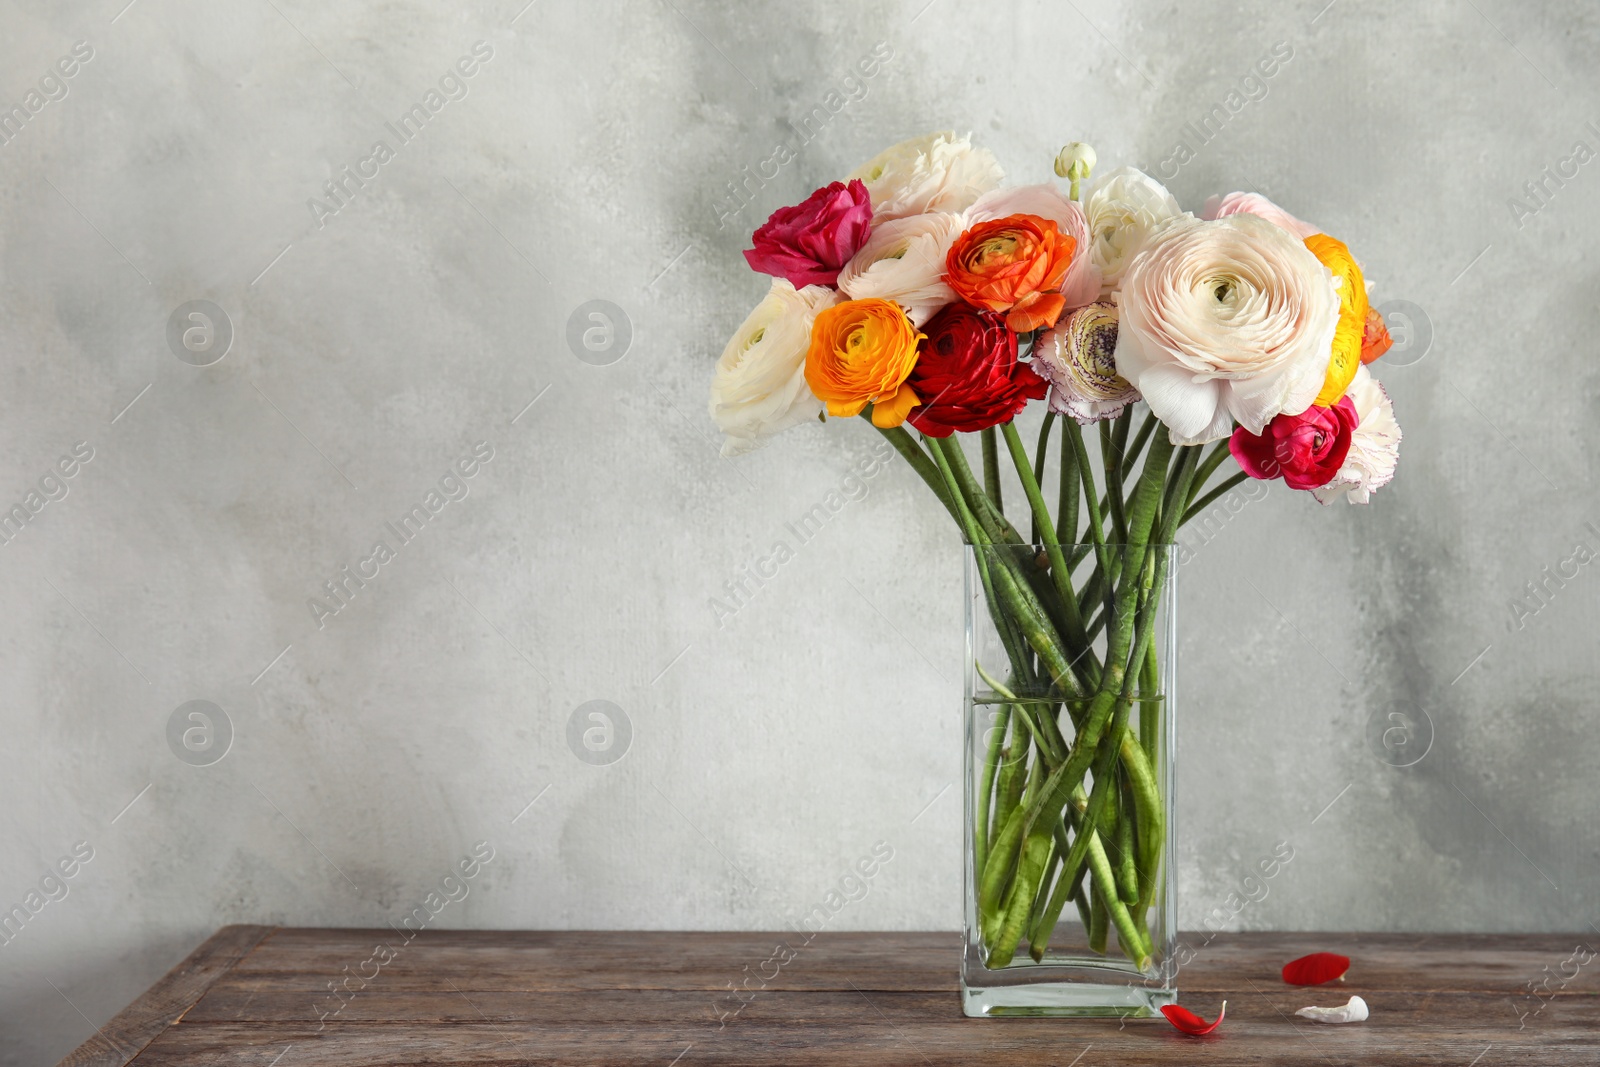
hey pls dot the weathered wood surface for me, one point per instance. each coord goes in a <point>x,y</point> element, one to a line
<point>254,997</point>
<point>122,1039</point>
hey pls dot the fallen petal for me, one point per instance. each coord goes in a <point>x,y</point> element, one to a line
<point>1353,1012</point>
<point>1190,1023</point>
<point>1315,969</point>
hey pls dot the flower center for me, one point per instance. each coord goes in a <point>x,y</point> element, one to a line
<point>1003,246</point>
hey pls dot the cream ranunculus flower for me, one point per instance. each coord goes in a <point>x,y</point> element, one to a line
<point>1081,285</point>
<point>1125,206</point>
<point>759,388</point>
<point>1225,320</point>
<point>1374,445</point>
<point>903,261</point>
<point>939,172</point>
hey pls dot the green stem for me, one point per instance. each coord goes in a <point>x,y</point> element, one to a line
<point>1060,575</point>
<point>1105,886</point>
<point>991,763</point>
<point>1098,916</point>
<point>1015,591</point>
<point>1010,781</point>
<point>1067,493</point>
<point>1113,472</point>
<point>1127,869</point>
<point>1065,889</point>
<point>1104,781</point>
<point>1211,461</point>
<point>1036,595</point>
<point>998,869</point>
<point>1120,632</point>
<point>1199,506</point>
<point>1131,456</point>
<point>1019,899</point>
<point>908,448</point>
<point>991,519</point>
<point>1042,897</point>
<point>1150,704</point>
<point>1091,495</point>
<point>998,865</point>
<point>991,468</point>
<point>1040,453</point>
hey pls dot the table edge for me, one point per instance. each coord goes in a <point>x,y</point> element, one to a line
<point>128,1033</point>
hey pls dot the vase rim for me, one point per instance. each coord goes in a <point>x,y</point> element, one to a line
<point>1076,544</point>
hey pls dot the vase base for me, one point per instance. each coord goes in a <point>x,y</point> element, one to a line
<point>1064,1000</point>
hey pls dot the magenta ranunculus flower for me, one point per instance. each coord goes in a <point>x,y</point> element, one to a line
<point>1305,450</point>
<point>809,242</point>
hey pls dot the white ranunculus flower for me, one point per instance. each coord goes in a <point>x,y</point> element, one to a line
<point>1081,285</point>
<point>759,388</point>
<point>903,261</point>
<point>1225,320</point>
<point>938,172</point>
<point>1125,206</point>
<point>1374,444</point>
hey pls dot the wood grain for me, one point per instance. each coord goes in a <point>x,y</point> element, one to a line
<point>615,999</point>
<point>163,1004</point>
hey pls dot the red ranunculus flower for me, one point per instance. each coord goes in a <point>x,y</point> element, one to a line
<point>1305,450</point>
<point>968,374</point>
<point>809,242</point>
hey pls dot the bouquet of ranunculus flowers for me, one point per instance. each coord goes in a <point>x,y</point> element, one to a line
<point>921,292</point>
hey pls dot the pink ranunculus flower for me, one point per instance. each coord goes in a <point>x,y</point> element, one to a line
<point>1255,204</point>
<point>1081,283</point>
<point>1305,450</point>
<point>809,242</point>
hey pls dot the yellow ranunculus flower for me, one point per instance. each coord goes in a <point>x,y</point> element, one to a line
<point>1346,358</point>
<point>862,351</point>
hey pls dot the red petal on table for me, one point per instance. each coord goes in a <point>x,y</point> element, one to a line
<point>1315,969</point>
<point>1189,1022</point>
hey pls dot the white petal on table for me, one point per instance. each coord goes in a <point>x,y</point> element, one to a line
<point>1353,1012</point>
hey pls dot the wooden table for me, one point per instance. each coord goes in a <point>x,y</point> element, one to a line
<point>259,996</point>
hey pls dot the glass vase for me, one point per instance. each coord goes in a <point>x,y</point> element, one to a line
<point>1070,895</point>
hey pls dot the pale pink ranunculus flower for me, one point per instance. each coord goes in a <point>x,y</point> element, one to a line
<point>1081,284</point>
<point>1218,207</point>
<point>1226,320</point>
<point>904,261</point>
<point>1374,444</point>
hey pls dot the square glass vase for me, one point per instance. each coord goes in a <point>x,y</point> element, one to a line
<point>1070,896</point>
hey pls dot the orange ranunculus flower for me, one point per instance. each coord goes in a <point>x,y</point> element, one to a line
<point>1015,265</point>
<point>1346,359</point>
<point>861,351</point>
<point>1376,340</point>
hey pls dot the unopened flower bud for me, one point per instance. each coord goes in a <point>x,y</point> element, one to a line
<point>1075,161</point>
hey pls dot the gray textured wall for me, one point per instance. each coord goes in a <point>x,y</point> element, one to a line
<point>590,159</point>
